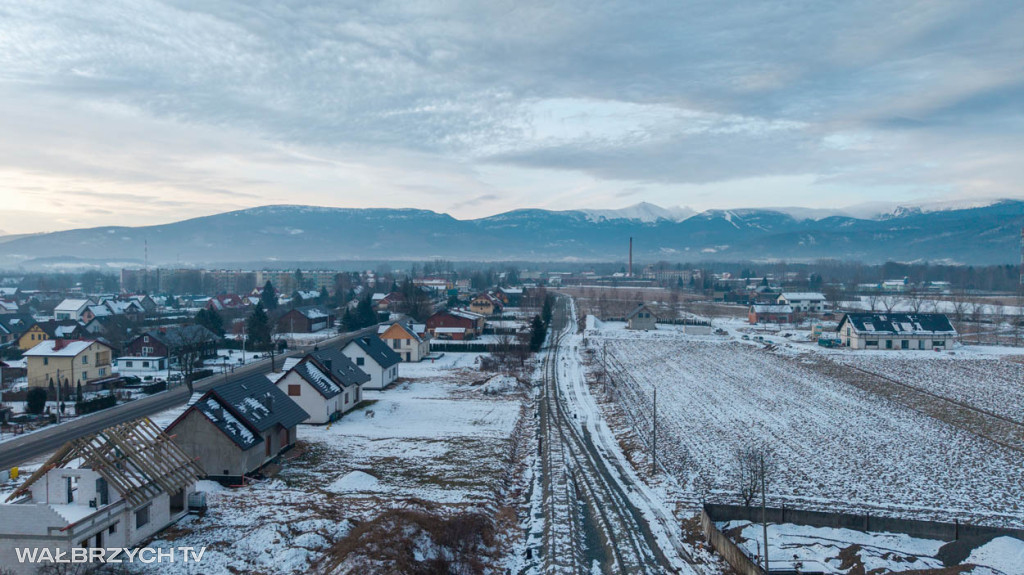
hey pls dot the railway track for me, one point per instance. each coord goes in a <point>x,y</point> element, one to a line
<point>591,524</point>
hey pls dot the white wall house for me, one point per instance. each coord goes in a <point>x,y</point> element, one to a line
<point>373,356</point>
<point>325,384</point>
<point>71,309</point>
<point>803,302</point>
<point>101,503</point>
<point>896,331</point>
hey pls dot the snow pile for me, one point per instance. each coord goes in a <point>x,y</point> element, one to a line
<point>358,481</point>
<point>500,384</point>
<point>1004,554</point>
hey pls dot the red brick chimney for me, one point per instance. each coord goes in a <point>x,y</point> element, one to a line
<point>59,344</point>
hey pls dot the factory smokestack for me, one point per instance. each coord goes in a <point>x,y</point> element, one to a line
<point>630,271</point>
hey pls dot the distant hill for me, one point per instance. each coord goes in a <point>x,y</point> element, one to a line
<point>988,234</point>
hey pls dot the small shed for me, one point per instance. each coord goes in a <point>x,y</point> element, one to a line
<point>641,318</point>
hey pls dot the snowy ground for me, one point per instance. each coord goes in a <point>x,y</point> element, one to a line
<point>837,446</point>
<point>437,440</point>
<point>842,551</point>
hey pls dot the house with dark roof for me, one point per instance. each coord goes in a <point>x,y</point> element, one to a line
<point>307,319</point>
<point>896,331</point>
<point>12,325</point>
<point>50,329</point>
<point>325,384</point>
<point>374,357</point>
<point>167,342</point>
<point>237,428</point>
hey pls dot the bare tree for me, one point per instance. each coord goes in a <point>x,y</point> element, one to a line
<point>752,465</point>
<point>872,300</point>
<point>188,345</point>
<point>889,302</point>
<point>835,295</point>
<point>915,301</point>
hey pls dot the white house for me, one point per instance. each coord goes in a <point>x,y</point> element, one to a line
<point>141,366</point>
<point>71,309</point>
<point>896,331</point>
<point>325,384</point>
<point>131,482</point>
<point>803,302</point>
<point>373,356</point>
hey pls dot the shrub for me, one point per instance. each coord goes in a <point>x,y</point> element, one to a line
<point>35,400</point>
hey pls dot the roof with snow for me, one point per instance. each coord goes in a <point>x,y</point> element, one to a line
<point>377,350</point>
<point>802,296</point>
<point>245,408</point>
<point>771,308</point>
<point>342,370</point>
<point>60,348</point>
<point>638,309</point>
<point>72,305</point>
<point>899,323</point>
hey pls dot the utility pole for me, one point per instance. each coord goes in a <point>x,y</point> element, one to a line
<point>764,513</point>
<point>654,442</point>
<point>58,396</point>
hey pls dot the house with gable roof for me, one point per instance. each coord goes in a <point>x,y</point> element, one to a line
<point>237,428</point>
<point>325,384</point>
<point>373,356</point>
<point>896,331</point>
<point>410,341</point>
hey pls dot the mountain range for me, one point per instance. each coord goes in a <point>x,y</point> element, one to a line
<point>977,235</point>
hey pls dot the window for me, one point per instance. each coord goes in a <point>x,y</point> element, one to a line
<point>142,517</point>
<point>112,529</point>
<point>145,364</point>
<point>346,397</point>
<point>888,344</point>
<point>85,360</point>
<point>127,364</point>
<point>294,390</point>
<point>145,339</point>
<point>46,361</point>
<point>85,374</point>
<point>102,492</point>
<point>904,344</point>
<point>359,361</point>
<point>871,343</point>
<point>103,371</point>
<point>396,343</point>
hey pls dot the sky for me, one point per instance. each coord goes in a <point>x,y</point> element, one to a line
<point>144,112</point>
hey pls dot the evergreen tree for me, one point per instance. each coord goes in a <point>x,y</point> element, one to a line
<point>349,321</point>
<point>257,326</point>
<point>35,400</point>
<point>537,333</point>
<point>325,296</point>
<point>365,315</point>
<point>211,320</point>
<point>547,312</point>
<point>269,297</point>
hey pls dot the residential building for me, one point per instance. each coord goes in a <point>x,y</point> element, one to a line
<point>167,342</point>
<point>325,384</point>
<point>410,341</point>
<point>770,313</point>
<point>485,304</point>
<point>803,302</point>
<point>642,317</point>
<point>13,325</point>
<point>896,331</point>
<point>141,366</point>
<point>373,356</point>
<point>71,309</point>
<point>307,319</point>
<point>50,329</point>
<point>237,428</point>
<point>68,361</point>
<point>471,323</point>
<point>115,488</point>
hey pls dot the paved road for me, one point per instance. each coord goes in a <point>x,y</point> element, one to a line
<point>52,437</point>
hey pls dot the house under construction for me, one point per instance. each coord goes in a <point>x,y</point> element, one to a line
<point>114,488</point>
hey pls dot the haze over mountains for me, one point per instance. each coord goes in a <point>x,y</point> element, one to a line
<point>951,233</point>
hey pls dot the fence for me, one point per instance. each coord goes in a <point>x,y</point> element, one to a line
<point>469,347</point>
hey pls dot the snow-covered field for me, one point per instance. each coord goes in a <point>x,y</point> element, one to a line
<point>438,440</point>
<point>836,446</point>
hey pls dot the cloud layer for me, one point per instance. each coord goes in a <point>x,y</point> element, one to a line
<point>147,111</point>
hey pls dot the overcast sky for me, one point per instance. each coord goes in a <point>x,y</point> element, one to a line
<point>146,112</point>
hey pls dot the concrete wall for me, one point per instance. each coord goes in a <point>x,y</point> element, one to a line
<point>724,546</point>
<point>921,529</point>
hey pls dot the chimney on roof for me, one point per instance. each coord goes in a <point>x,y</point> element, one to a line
<point>59,344</point>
